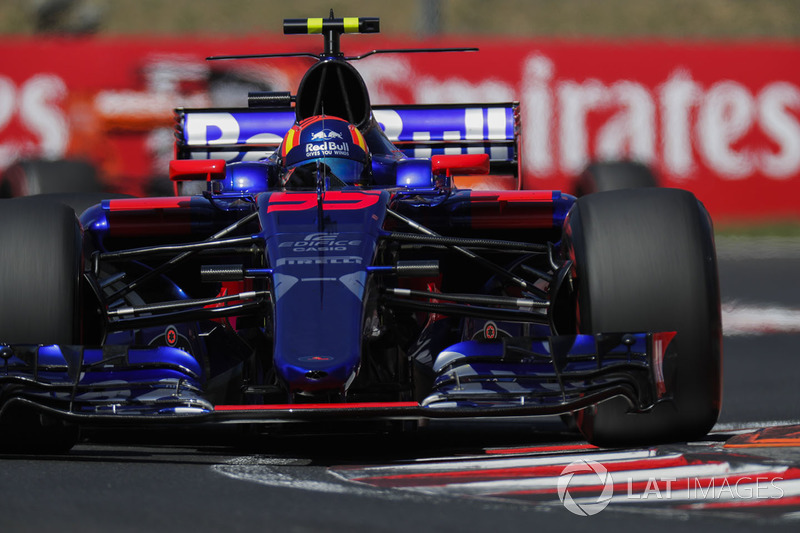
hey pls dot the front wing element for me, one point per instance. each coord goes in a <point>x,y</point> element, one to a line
<point>119,385</point>
<point>551,375</point>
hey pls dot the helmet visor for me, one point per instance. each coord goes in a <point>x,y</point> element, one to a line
<point>334,171</point>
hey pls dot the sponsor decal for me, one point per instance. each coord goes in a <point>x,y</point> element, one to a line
<point>334,260</point>
<point>327,149</point>
<point>171,336</point>
<point>321,242</point>
<point>173,339</point>
<point>489,331</point>
<point>325,135</point>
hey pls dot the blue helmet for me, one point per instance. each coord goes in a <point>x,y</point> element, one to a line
<point>326,146</point>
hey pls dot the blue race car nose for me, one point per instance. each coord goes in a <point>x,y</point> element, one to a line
<point>318,331</point>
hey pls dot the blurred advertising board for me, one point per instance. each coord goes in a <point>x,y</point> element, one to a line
<point>720,119</point>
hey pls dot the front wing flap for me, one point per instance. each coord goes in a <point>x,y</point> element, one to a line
<point>119,385</point>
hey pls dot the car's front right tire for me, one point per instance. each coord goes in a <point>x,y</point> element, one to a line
<point>645,261</point>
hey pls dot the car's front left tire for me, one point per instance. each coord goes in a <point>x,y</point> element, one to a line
<point>39,302</point>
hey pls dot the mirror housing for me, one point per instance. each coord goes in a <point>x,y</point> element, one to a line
<point>460,164</point>
<point>196,169</point>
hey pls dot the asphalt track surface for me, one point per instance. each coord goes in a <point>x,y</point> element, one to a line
<point>456,476</point>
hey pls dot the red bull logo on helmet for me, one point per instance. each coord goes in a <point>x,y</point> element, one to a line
<point>318,137</point>
<point>325,135</point>
<point>327,149</point>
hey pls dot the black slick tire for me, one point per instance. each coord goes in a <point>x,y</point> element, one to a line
<point>614,175</point>
<point>645,261</point>
<point>42,176</point>
<point>39,291</point>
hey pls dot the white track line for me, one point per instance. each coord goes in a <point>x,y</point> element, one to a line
<point>445,464</point>
<point>748,319</point>
<point>736,248</point>
<point>550,483</point>
<point>751,425</point>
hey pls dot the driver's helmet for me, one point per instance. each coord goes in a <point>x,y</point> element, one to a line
<point>326,147</point>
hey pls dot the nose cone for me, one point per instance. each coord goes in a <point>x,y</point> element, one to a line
<point>318,331</point>
<point>319,248</point>
<point>319,373</point>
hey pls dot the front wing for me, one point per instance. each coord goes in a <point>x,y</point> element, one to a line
<point>121,385</point>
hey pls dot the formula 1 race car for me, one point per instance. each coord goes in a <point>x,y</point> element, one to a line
<point>318,264</point>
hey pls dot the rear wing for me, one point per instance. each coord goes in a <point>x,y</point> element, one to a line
<point>249,134</point>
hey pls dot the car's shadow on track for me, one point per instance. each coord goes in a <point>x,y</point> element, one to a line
<point>438,439</point>
<point>315,445</point>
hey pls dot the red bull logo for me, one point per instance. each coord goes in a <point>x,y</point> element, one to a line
<point>326,135</point>
<point>327,149</point>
